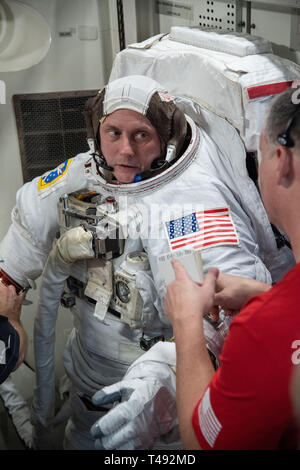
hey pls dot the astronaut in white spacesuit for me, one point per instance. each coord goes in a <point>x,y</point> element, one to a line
<point>172,186</point>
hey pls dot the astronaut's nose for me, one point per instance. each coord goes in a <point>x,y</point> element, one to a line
<point>126,149</point>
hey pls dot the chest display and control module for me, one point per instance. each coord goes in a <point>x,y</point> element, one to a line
<point>110,286</point>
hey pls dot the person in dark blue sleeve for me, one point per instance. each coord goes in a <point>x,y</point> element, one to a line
<point>13,338</point>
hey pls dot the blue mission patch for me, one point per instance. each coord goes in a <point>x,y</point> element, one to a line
<point>52,176</point>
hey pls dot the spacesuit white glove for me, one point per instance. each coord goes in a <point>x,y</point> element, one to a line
<point>18,410</point>
<point>147,409</point>
<point>75,244</point>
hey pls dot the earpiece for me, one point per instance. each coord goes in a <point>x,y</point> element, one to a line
<point>284,139</point>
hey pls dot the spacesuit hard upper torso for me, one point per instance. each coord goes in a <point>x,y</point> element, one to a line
<point>99,351</point>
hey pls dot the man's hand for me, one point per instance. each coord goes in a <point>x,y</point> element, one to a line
<point>186,301</point>
<point>10,303</point>
<point>234,291</point>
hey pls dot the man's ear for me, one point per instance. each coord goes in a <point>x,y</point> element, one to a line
<point>285,166</point>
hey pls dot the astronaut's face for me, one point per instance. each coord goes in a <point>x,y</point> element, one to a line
<point>129,143</point>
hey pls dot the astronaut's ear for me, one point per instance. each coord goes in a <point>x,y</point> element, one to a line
<point>179,130</point>
<point>285,169</point>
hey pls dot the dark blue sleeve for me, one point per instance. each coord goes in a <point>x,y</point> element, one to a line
<point>9,348</point>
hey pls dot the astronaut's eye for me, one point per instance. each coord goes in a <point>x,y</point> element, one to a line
<point>123,292</point>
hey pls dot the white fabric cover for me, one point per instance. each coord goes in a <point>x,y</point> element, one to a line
<point>239,44</point>
<point>134,95</point>
<point>232,87</point>
<point>75,244</point>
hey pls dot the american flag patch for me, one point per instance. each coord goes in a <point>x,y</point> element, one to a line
<point>202,229</point>
<point>209,424</point>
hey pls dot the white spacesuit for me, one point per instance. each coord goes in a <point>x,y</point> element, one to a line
<point>116,299</point>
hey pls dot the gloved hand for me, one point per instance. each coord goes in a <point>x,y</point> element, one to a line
<point>147,409</point>
<point>21,420</point>
<point>18,410</point>
<point>75,244</point>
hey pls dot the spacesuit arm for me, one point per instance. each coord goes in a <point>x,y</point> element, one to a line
<point>25,247</point>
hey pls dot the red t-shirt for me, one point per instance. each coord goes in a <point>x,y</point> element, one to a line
<point>247,404</point>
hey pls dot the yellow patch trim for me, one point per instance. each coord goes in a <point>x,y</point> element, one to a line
<point>46,180</point>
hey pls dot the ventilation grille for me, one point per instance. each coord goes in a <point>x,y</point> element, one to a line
<point>226,16</point>
<point>51,128</point>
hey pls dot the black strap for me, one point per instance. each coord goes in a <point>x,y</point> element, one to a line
<point>281,240</point>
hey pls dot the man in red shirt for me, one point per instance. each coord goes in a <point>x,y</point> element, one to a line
<point>246,403</point>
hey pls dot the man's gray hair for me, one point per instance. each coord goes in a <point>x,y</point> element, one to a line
<point>282,109</point>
